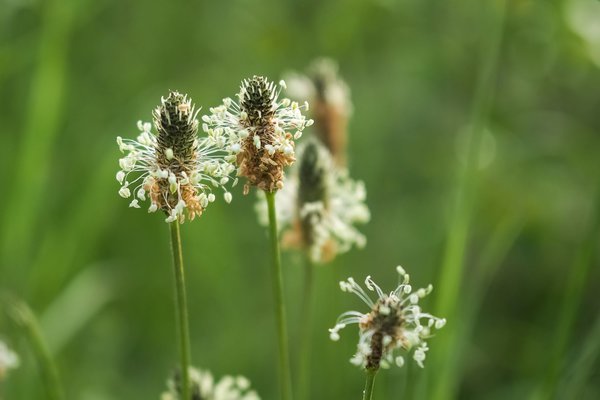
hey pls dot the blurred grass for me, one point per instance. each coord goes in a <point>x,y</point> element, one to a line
<point>576,282</point>
<point>573,383</point>
<point>450,282</point>
<point>27,321</point>
<point>74,76</point>
<point>41,127</point>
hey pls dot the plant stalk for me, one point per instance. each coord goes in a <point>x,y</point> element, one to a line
<point>23,315</point>
<point>368,392</point>
<point>181,310</point>
<point>306,331</point>
<point>277,278</point>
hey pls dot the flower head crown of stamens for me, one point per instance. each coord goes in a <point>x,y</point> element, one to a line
<point>259,131</point>
<point>394,323</point>
<point>204,387</point>
<point>174,168</point>
<point>319,206</point>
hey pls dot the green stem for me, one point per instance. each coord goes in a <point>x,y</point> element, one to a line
<point>27,320</point>
<point>182,314</point>
<point>306,332</point>
<point>284,360</point>
<point>368,392</point>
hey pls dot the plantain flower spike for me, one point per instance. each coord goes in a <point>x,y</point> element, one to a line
<point>320,206</point>
<point>394,323</point>
<point>260,130</point>
<point>331,107</point>
<point>175,169</point>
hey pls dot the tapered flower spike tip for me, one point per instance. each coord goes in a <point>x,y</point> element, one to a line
<point>177,126</point>
<point>175,169</point>
<point>394,323</point>
<point>313,169</point>
<point>259,131</point>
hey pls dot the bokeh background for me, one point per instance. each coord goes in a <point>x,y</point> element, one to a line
<point>475,129</point>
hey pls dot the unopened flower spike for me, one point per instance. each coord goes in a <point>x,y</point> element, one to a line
<point>175,169</point>
<point>204,387</point>
<point>8,359</point>
<point>331,106</point>
<point>319,206</point>
<point>393,326</point>
<point>258,130</point>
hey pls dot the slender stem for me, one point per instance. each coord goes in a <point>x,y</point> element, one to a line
<point>27,320</point>
<point>368,392</point>
<point>181,308</point>
<point>284,358</point>
<point>306,332</point>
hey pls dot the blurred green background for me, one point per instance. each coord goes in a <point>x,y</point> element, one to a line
<point>482,175</point>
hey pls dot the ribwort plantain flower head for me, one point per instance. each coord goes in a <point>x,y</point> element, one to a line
<point>175,169</point>
<point>8,359</point>
<point>204,387</point>
<point>319,206</point>
<point>259,131</point>
<point>394,323</point>
<point>331,106</point>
